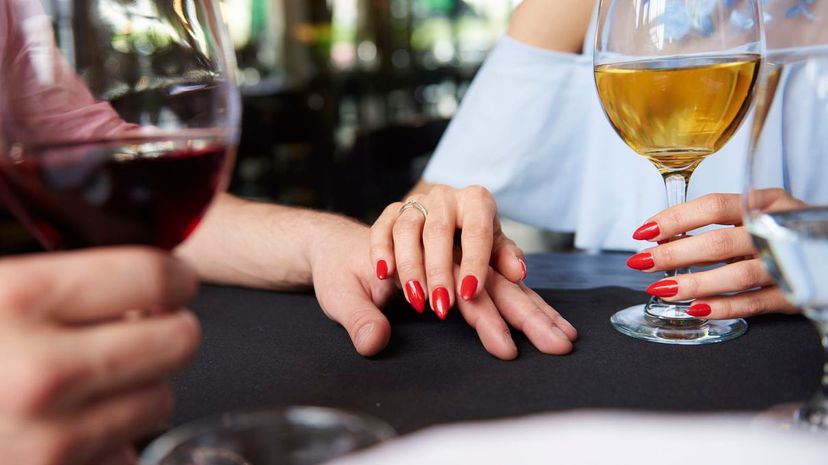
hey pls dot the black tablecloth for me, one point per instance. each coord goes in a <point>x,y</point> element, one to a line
<point>265,349</point>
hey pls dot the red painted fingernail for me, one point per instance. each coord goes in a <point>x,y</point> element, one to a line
<point>647,231</point>
<point>522,269</point>
<point>415,294</point>
<point>641,261</point>
<point>666,288</point>
<point>699,310</point>
<point>382,270</point>
<point>440,302</point>
<point>468,288</point>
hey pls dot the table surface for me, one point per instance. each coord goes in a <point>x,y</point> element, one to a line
<point>269,349</point>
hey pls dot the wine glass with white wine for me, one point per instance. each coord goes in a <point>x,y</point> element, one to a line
<point>676,79</point>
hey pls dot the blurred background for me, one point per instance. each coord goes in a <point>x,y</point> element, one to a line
<point>344,100</point>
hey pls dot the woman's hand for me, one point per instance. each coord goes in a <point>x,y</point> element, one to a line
<point>350,294</point>
<point>485,270</point>
<point>740,288</point>
<point>417,245</point>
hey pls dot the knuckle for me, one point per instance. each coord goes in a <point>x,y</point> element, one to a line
<point>754,304</point>
<point>438,229</point>
<point>34,385</point>
<point>664,255</point>
<point>441,190</point>
<point>438,275</point>
<point>478,232</point>
<point>390,211</point>
<point>406,225</point>
<point>719,243</point>
<point>746,276</point>
<point>16,301</point>
<point>716,204</point>
<point>378,251</point>
<point>408,266</point>
<point>478,191</point>
<point>691,285</point>
<point>19,294</point>
<point>357,319</point>
<point>533,318</point>
<point>674,217</point>
<point>153,267</point>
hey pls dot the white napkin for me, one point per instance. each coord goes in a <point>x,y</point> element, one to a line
<point>603,438</point>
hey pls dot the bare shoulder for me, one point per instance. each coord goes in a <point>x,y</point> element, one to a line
<point>558,25</point>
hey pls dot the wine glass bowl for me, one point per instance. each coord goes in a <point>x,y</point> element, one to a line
<point>118,120</point>
<point>298,435</point>
<point>676,79</point>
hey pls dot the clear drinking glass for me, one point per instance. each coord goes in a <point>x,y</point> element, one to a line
<point>292,436</point>
<point>676,79</point>
<point>786,194</point>
<point>118,119</point>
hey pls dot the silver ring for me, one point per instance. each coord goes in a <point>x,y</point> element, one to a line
<point>413,204</point>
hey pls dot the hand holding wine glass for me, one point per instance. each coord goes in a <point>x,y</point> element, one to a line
<point>676,80</point>
<point>118,123</point>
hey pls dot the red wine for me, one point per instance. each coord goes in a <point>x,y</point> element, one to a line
<point>143,191</point>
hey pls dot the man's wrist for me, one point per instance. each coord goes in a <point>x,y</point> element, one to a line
<point>326,233</point>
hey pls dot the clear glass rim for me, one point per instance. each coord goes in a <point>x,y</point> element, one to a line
<point>165,444</point>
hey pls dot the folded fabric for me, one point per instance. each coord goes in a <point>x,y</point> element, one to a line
<point>602,438</point>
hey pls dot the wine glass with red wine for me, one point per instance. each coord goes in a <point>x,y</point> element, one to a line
<point>118,118</point>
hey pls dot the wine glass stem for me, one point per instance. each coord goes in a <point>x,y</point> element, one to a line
<point>822,327</point>
<point>676,185</point>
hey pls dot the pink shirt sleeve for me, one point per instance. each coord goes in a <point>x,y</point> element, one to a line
<point>43,100</point>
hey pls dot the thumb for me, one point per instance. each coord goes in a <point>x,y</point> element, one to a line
<point>356,312</point>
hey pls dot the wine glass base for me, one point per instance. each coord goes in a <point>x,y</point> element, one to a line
<point>634,322</point>
<point>811,417</point>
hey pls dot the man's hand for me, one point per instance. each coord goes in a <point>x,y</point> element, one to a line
<point>81,363</point>
<point>347,290</point>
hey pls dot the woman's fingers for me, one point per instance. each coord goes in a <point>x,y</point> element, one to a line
<point>507,258</point>
<point>736,277</point>
<point>438,245</point>
<point>477,219</point>
<point>706,210</point>
<point>746,304</point>
<point>407,233</point>
<point>135,277</point>
<point>710,247</point>
<point>522,312</point>
<point>382,242</point>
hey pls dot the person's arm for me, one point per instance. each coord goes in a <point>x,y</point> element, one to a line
<point>557,25</point>
<point>236,235</point>
<point>274,247</point>
<point>269,246</point>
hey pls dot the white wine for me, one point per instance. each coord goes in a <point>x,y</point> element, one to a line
<point>794,246</point>
<point>677,111</point>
